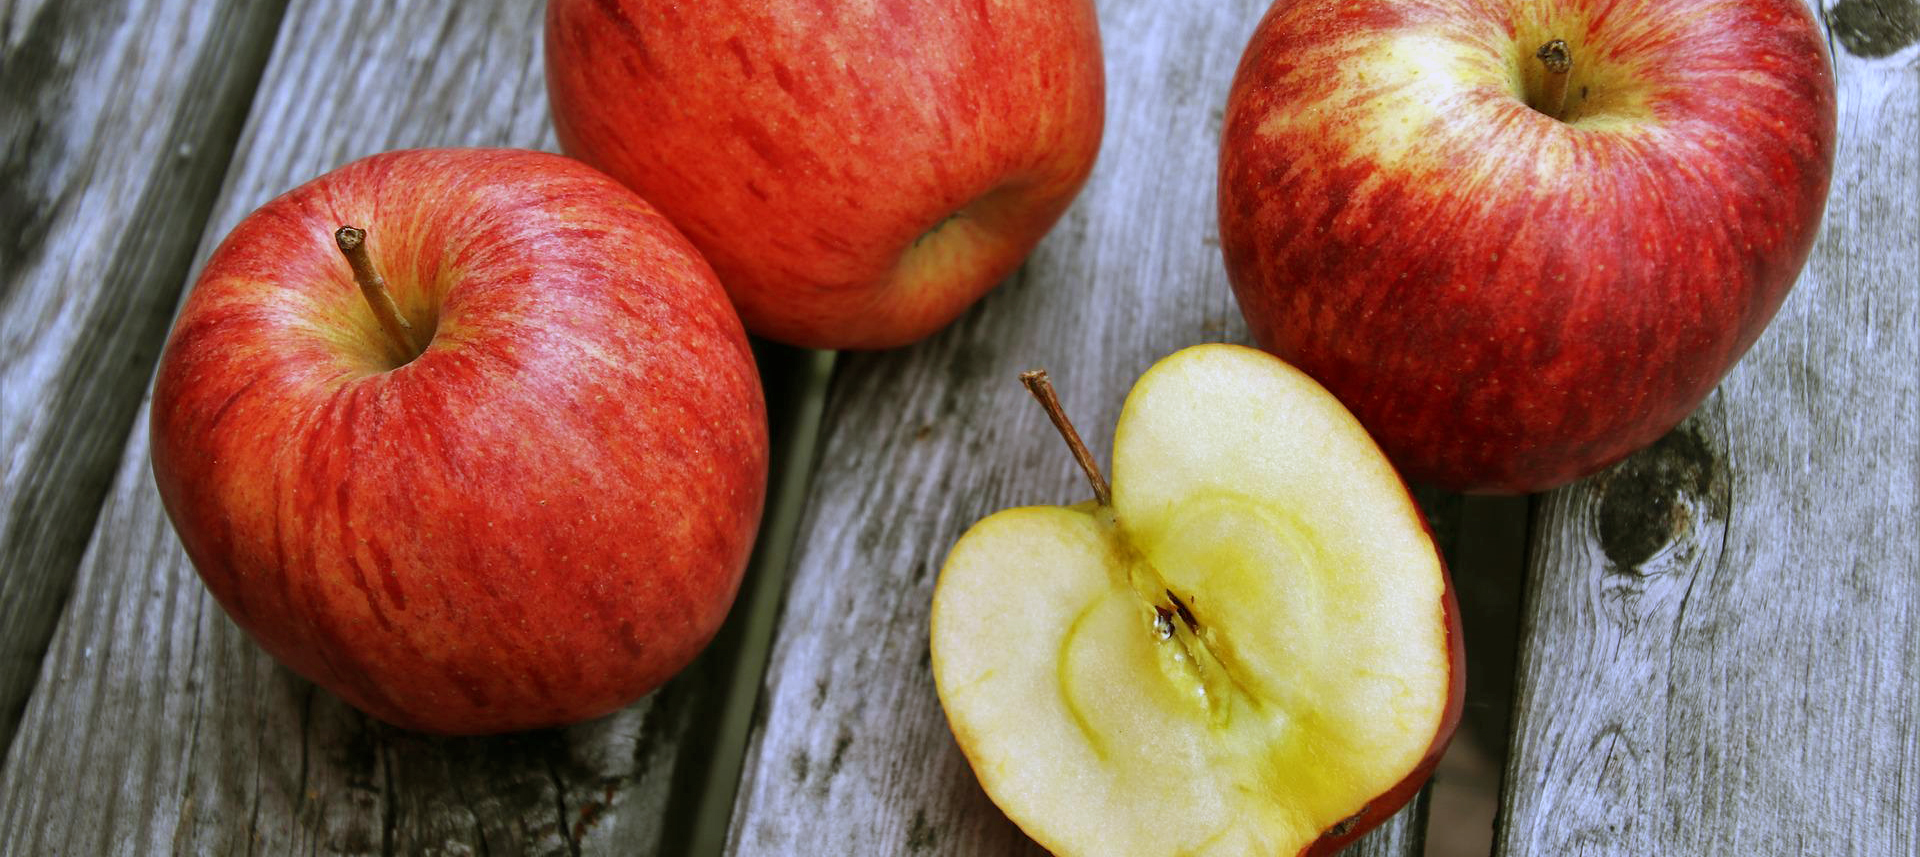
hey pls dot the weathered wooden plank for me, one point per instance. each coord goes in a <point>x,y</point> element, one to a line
<point>1722,635</point>
<point>158,726</point>
<point>120,118</point>
<point>851,752</point>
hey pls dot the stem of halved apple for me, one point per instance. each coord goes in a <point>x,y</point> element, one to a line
<point>353,244</point>
<point>1558,59</point>
<point>1042,389</point>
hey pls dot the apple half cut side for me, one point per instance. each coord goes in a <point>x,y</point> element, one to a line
<point>1248,646</point>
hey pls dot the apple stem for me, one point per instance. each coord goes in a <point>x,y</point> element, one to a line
<point>1042,389</point>
<point>353,244</point>
<point>1559,62</point>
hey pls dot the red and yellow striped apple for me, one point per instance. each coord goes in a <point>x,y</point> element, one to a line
<point>1246,645</point>
<point>498,466</point>
<point>1515,276</point>
<point>857,173</point>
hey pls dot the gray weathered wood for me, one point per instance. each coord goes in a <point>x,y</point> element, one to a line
<point>851,753</point>
<point>1722,638</point>
<point>120,117</point>
<point>157,726</point>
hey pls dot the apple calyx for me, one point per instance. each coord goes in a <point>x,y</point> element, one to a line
<point>1190,660</point>
<point>352,241</point>
<point>1558,59</point>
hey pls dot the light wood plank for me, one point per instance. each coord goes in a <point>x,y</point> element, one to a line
<point>121,117</point>
<point>159,727</point>
<point>1722,636</point>
<point>851,752</point>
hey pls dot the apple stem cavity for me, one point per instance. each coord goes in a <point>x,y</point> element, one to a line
<point>1042,389</point>
<point>353,244</point>
<point>1558,59</point>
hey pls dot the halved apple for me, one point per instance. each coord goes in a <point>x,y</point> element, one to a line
<point>1249,647</point>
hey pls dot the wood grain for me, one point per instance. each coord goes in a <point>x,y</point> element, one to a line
<point>851,752</point>
<point>1722,634</point>
<point>158,726</point>
<point>121,119</point>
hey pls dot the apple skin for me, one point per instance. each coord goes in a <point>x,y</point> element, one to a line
<point>1509,302</point>
<point>537,520</point>
<point>858,174</point>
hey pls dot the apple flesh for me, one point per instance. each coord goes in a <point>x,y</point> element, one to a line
<point>1511,292</point>
<point>1252,650</point>
<point>857,173</point>
<point>531,514</point>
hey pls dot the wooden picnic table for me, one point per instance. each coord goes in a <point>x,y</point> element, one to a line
<point>1712,648</point>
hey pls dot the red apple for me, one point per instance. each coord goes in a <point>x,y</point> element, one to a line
<point>1512,288</point>
<point>528,509</point>
<point>858,174</point>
